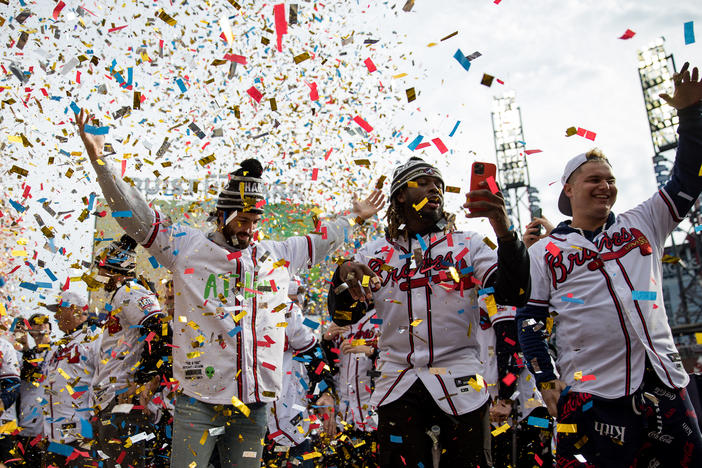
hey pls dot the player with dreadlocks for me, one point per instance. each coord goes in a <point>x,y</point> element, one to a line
<point>424,278</point>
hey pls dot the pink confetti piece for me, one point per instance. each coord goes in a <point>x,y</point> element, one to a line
<point>553,249</point>
<point>254,93</point>
<point>235,58</point>
<point>628,34</point>
<point>492,185</point>
<point>281,25</point>
<point>534,151</point>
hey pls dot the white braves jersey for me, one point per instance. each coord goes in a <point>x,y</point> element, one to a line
<point>289,418</point>
<point>31,416</point>
<point>227,306</point>
<point>71,365</point>
<point>528,395</point>
<point>609,301</point>
<point>131,305</point>
<point>9,368</point>
<point>354,377</point>
<point>429,322</point>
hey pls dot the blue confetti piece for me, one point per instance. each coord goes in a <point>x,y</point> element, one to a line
<point>405,256</point>
<point>395,439</point>
<point>643,295</point>
<point>461,311</point>
<point>74,107</point>
<point>50,274</point>
<point>234,331</point>
<point>122,214</point>
<point>698,228</point>
<point>422,244</point>
<point>19,207</point>
<point>465,63</point>
<point>310,323</point>
<point>86,430</point>
<point>154,262</point>
<point>689,32</point>
<point>96,130</point>
<point>376,321</point>
<point>30,286</point>
<point>415,142</point>
<point>538,422</point>
<point>91,200</point>
<point>181,85</point>
<point>455,127</point>
<point>489,290</point>
<point>466,270</point>
<point>587,405</point>
<point>574,300</point>
<point>61,449</point>
<point>44,284</point>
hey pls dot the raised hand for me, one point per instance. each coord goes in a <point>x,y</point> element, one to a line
<point>352,274</point>
<point>488,205</point>
<point>364,209</point>
<point>688,88</point>
<point>532,232</point>
<point>93,143</point>
<point>334,330</point>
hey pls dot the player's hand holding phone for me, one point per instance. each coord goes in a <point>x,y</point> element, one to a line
<point>485,200</point>
<point>538,228</point>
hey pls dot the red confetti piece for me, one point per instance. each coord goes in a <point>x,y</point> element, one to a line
<point>58,8</point>
<point>189,271</point>
<point>315,173</point>
<point>440,145</point>
<point>116,29</point>
<point>363,124</point>
<point>320,368</point>
<point>268,366</point>
<point>509,379</point>
<point>232,255</point>
<point>461,254</point>
<point>281,25</point>
<point>326,156</point>
<point>532,151</point>
<point>628,34</point>
<point>235,58</point>
<point>371,66</point>
<point>254,93</point>
<point>553,249</point>
<point>449,240</point>
<point>314,94</point>
<point>492,185</point>
<point>422,145</point>
<point>588,377</point>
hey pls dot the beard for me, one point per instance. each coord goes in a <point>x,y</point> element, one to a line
<point>237,239</point>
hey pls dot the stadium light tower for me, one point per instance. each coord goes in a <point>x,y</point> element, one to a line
<point>513,173</point>
<point>656,69</point>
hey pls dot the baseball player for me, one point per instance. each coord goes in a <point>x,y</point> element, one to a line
<point>354,349</point>
<point>230,296</point>
<point>516,400</point>
<point>617,388</point>
<point>424,279</point>
<point>9,391</point>
<point>31,417</point>
<point>307,380</point>
<point>131,356</point>
<point>70,366</point>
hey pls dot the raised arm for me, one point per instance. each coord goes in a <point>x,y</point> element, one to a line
<point>121,196</point>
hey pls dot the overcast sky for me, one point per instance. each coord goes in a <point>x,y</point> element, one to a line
<point>562,59</point>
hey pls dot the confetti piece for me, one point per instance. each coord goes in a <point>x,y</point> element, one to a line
<point>61,449</point>
<point>500,430</point>
<point>121,214</point>
<point>370,65</point>
<point>281,25</point>
<point>538,422</point>
<point>567,428</point>
<point>643,295</point>
<point>310,323</point>
<point>455,127</point>
<point>413,145</point>
<point>226,28</point>
<point>628,34</point>
<point>439,145</point>
<point>553,249</point>
<point>96,130</point>
<point>301,58</point>
<point>162,15</point>
<point>492,185</point>
<point>363,124</point>
<point>181,85</point>
<point>487,80</point>
<point>411,96</point>
<point>254,93</point>
<point>465,63</point>
<point>489,243</point>
<point>689,32</point>
<point>57,9</point>
<point>395,439</point>
<point>419,206</point>
<point>449,36</point>
<point>698,338</point>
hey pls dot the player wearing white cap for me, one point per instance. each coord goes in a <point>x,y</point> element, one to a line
<point>230,292</point>
<point>70,366</point>
<point>424,279</point>
<point>134,357</point>
<point>618,389</point>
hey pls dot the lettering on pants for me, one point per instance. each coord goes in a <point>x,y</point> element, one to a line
<point>663,438</point>
<point>610,430</point>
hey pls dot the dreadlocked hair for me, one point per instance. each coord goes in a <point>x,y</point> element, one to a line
<point>395,220</point>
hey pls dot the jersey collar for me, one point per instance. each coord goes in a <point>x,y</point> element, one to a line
<point>565,228</point>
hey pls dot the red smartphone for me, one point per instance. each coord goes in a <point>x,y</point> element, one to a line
<point>481,172</point>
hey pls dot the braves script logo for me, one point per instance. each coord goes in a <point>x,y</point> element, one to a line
<point>439,264</point>
<point>627,239</point>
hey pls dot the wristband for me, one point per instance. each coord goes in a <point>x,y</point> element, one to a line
<point>547,385</point>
